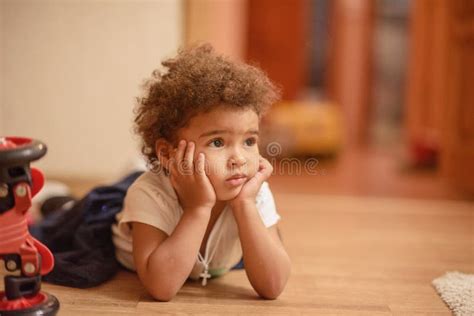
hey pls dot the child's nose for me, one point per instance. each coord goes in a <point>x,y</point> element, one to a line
<point>237,161</point>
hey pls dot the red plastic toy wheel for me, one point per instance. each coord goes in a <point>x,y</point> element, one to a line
<point>39,304</point>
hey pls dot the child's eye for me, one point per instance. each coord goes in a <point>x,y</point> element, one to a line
<point>251,141</point>
<point>218,142</point>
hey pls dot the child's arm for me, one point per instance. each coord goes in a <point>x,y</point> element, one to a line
<point>266,262</point>
<point>163,264</point>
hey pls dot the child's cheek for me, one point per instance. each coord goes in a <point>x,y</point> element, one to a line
<point>253,164</point>
<point>215,165</point>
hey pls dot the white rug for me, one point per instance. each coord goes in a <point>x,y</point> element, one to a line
<point>457,290</point>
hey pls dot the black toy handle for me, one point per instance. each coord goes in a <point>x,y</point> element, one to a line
<point>27,150</point>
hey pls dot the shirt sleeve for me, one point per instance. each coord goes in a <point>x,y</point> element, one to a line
<point>145,206</point>
<point>266,206</point>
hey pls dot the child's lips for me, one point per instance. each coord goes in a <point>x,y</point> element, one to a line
<point>236,180</point>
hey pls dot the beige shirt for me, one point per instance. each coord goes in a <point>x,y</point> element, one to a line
<point>152,200</point>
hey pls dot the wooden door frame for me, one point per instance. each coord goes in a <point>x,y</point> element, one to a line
<point>350,66</point>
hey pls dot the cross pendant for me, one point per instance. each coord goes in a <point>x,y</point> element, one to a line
<point>205,275</point>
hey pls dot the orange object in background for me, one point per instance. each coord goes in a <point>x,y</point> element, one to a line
<point>304,128</point>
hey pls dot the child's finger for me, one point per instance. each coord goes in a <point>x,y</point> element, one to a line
<point>265,167</point>
<point>200,165</point>
<point>180,151</point>
<point>261,164</point>
<point>189,156</point>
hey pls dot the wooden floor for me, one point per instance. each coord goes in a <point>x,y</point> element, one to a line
<point>357,248</point>
<point>350,256</point>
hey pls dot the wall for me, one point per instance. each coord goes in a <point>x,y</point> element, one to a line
<point>71,72</point>
<point>221,23</point>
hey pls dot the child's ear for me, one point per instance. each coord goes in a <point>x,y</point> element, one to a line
<point>164,151</point>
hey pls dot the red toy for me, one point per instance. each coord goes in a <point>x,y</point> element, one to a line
<point>18,249</point>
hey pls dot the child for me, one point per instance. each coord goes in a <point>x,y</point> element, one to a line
<point>205,203</point>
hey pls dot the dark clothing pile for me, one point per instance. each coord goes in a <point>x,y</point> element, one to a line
<point>80,237</point>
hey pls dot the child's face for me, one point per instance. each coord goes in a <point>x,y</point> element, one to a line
<point>229,139</point>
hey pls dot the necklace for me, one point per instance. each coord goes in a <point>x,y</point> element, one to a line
<point>207,259</point>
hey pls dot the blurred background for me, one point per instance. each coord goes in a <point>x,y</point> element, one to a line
<point>375,93</point>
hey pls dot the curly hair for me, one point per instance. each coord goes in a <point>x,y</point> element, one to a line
<point>196,81</point>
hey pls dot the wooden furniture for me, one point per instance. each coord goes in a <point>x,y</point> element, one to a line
<point>350,58</point>
<point>440,98</point>
<point>277,34</point>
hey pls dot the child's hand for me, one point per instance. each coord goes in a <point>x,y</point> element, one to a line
<point>189,178</point>
<point>250,189</point>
